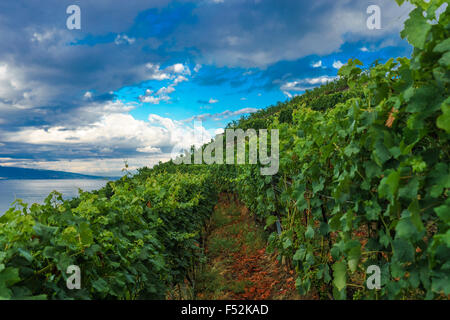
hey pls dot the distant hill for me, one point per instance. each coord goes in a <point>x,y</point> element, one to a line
<point>23,173</point>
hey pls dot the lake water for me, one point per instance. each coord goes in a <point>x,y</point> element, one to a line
<point>35,191</point>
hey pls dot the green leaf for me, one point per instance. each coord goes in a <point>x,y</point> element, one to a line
<point>381,153</point>
<point>287,243</point>
<point>309,234</point>
<point>403,250</point>
<point>445,60</point>
<point>441,284</point>
<point>270,221</point>
<point>443,121</point>
<point>25,254</point>
<point>50,252</point>
<point>5,293</point>
<point>339,275</point>
<point>405,228</point>
<point>442,47</point>
<point>299,254</point>
<point>410,190</point>
<point>351,149</point>
<point>389,185</point>
<point>9,276</point>
<point>423,99</point>
<point>69,236</point>
<point>100,285</point>
<point>353,257</point>
<point>373,211</point>
<point>416,28</point>
<point>443,212</point>
<point>86,234</point>
<point>318,185</point>
<point>324,228</point>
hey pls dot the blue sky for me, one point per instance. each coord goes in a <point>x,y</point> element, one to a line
<point>135,81</point>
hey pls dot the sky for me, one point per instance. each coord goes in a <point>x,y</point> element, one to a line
<point>141,77</point>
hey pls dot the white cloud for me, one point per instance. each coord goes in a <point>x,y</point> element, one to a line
<point>317,64</point>
<point>40,37</point>
<point>301,85</point>
<point>320,80</point>
<point>88,95</point>
<point>49,36</point>
<point>337,64</point>
<point>220,116</point>
<point>219,131</point>
<point>153,99</point>
<point>123,39</point>
<point>155,73</point>
<point>149,149</point>
<point>176,72</point>
<point>179,79</point>
<point>243,111</point>
<point>211,101</point>
<point>197,67</point>
<point>13,88</point>
<point>113,131</point>
<point>165,90</point>
<point>179,68</point>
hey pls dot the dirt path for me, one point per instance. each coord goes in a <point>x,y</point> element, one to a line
<point>238,266</point>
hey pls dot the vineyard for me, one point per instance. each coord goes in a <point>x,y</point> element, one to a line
<point>364,176</point>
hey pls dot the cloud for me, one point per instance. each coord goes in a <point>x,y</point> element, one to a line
<point>67,80</point>
<point>177,73</point>
<point>88,95</point>
<point>221,115</point>
<point>110,131</point>
<point>149,149</point>
<point>115,137</point>
<point>15,92</point>
<point>171,72</point>
<point>273,32</point>
<point>317,64</point>
<point>337,64</point>
<point>123,39</point>
<point>292,87</point>
<point>197,67</point>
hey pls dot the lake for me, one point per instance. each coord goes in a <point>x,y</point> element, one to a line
<point>35,191</point>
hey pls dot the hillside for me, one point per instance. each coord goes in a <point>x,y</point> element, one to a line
<point>25,173</point>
